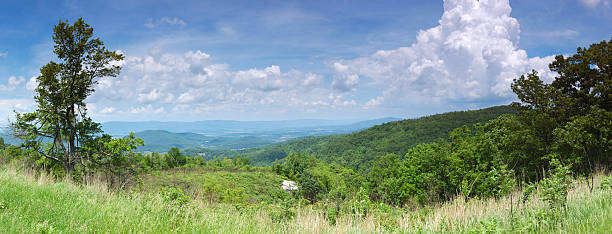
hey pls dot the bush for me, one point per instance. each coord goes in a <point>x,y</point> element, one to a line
<point>285,211</point>
<point>175,196</point>
<point>309,187</point>
<point>554,189</point>
<point>234,195</point>
<point>360,205</point>
<point>606,184</point>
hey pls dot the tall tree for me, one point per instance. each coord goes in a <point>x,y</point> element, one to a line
<point>63,86</point>
<point>572,114</point>
<point>585,78</point>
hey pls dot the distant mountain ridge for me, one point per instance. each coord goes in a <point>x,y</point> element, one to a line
<point>230,135</point>
<point>223,127</point>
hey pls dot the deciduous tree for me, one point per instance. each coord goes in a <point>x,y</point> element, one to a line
<point>61,115</point>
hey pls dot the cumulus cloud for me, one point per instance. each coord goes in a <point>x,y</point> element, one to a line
<point>8,105</point>
<point>471,55</point>
<point>470,58</point>
<point>344,80</point>
<point>32,83</point>
<point>191,82</point>
<point>12,83</point>
<point>108,110</point>
<point>164,21</point>
<point>145,109</point>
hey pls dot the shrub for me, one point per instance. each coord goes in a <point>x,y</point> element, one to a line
<point>606,183</point>
<point>555,188</point>
<point>360,205</point>
<point>175,196</point>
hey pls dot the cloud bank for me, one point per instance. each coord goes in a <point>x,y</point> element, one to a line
<point>470,58</point>
<point>471,55</point>
<point>191,82</point>
<point>11,84</point>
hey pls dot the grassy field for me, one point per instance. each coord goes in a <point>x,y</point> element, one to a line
<point>215,186</point>
<point>37,204</point>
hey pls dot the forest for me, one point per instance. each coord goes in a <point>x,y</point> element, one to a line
<point>393,177</point>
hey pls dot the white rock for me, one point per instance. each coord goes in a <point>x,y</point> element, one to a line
<point>289,185</point>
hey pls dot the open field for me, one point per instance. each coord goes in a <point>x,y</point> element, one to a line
<point>38,204</point>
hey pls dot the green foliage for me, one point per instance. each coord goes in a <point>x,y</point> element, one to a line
<point>606,184</point>
<point>215,186</point>
<point>175,157</point>
<point>554,189</point>
<point>358,150</point>
<point>469,164</point>
<point>309,187</point>
<point>117,160</point>
<point>587,139</point>
<point>571,116</point>
<point>317,179</point>
<point>175,196</point>
<point>283,212</point>
<point>234,195</point>
<point>3,205</point>
<point>360,204</point>
<point>498,182</point>
<point>61,113</point>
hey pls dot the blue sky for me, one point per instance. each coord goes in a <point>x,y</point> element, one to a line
<point>260,60</point>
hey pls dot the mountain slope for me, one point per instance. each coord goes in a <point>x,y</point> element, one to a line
<point>358,149</point>
<point>240,136</point>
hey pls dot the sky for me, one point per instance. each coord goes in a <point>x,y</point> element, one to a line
<point>276,60</point>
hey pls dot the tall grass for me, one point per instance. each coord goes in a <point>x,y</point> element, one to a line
<point>39,204</point>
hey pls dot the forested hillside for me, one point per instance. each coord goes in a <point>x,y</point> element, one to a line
<point>357,150</point>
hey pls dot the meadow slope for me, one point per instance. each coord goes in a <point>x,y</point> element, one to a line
<point>30,204</point>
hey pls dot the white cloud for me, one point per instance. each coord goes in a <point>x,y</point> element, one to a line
<point>145,109</point>
<point>164,21</point>
<point>344,80</point>
<point>32,83</point>
<point>191,82</point>
<point>3,54</point>
<point>595,3</point>
<point>471,55</point>
<point>11,84</point>
<point>8,105</point>
<point>470,58</point>
<point>108,110</point>
<point>564,33</point>
<point>17,104</point>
